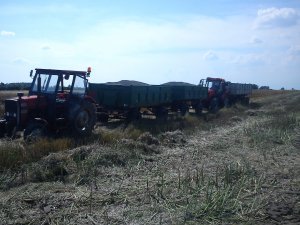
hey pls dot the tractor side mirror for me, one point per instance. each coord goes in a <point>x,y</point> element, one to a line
<point>31,72</point>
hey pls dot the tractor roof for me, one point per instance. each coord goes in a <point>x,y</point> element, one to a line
<point>59,72</point>
<point>215,79</point>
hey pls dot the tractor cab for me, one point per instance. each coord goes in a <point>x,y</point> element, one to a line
<point>216,86</point>
<point>57,82</point>
<point>217,93</point>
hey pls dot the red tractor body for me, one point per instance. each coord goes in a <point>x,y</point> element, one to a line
<point>222,93</point>
<point>57,100</point>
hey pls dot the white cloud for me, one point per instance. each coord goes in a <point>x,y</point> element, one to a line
<point>276,17</point>
<point>129,36</point>
<point>20,61</point>
<point>256,40</point>
<point>250,59</point>
<point>7,33</point>
<point>294,50</point>
<point>45,47</point>
<point>210,55</point>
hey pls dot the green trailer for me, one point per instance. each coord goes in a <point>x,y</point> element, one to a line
<point>188,93</point>
<point>128,100</point>
<point>121,96</point>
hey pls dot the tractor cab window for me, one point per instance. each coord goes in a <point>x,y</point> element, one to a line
<point>67,82</point>
<point>215,85</point>
<point>48,83</point>
<point>79,85</point>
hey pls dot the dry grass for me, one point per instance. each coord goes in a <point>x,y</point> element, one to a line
<point>15,154</point>
<point>265,93</point>
<point>241,167</point>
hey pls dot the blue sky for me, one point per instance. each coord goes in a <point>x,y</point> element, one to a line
<point>154,41</point>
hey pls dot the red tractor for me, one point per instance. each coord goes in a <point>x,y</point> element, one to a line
<point>222,93</point>
<point>218,93</point>
<point>56,101</point>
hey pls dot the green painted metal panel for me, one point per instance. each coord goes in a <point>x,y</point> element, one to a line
<point>188,92</point>
<point>120,96</point>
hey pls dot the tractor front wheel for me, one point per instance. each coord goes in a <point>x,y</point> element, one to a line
<point>35,131</point>
<point>83,119</point>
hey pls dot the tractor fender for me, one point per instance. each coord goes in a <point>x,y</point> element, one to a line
<point>39,120</point>
<point>90,99</point>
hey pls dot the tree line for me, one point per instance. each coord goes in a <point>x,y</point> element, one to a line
<point>15,86</point>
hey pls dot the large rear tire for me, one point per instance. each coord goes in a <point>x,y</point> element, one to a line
<point>82,119</point>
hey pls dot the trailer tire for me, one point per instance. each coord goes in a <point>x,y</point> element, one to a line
<point>245,101</point>
<point>214,105</point>
<point>198,109</point>
<point>161,113</point>
<point>2,129</point>
<point>82,119</point>
<point>103,117</point>
<point>184,109</point>
<point>227,103</point>
<point>133,114</point>
<point>35,131</point>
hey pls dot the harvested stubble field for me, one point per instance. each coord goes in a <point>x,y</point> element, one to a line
<point>241,166</point>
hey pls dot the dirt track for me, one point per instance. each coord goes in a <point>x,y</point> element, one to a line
<point>247,159</point>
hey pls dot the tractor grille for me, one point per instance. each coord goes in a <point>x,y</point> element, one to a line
<point>11,108</point>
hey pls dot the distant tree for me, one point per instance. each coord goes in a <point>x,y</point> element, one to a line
<point>254,86</point>
<point>14,86</point>
<point>282,88</point>
<point>264,87</point>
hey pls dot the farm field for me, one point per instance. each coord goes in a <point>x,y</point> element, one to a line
<point>239,166</point>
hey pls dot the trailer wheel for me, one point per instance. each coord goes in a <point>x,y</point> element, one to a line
<point>184,109</point>
<point>198,109</point>
<point>133,114</point>
<point>35,131</point>
<point>161,113</point>
<point>103,117</point>
<point>82,119</point>
<point>245,101</point>
<point>227,102</point>
<point>214,105</point>
<point>2,129</point>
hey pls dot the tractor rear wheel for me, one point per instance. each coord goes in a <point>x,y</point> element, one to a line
<point>82,119</point>
<point>35,131</point>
